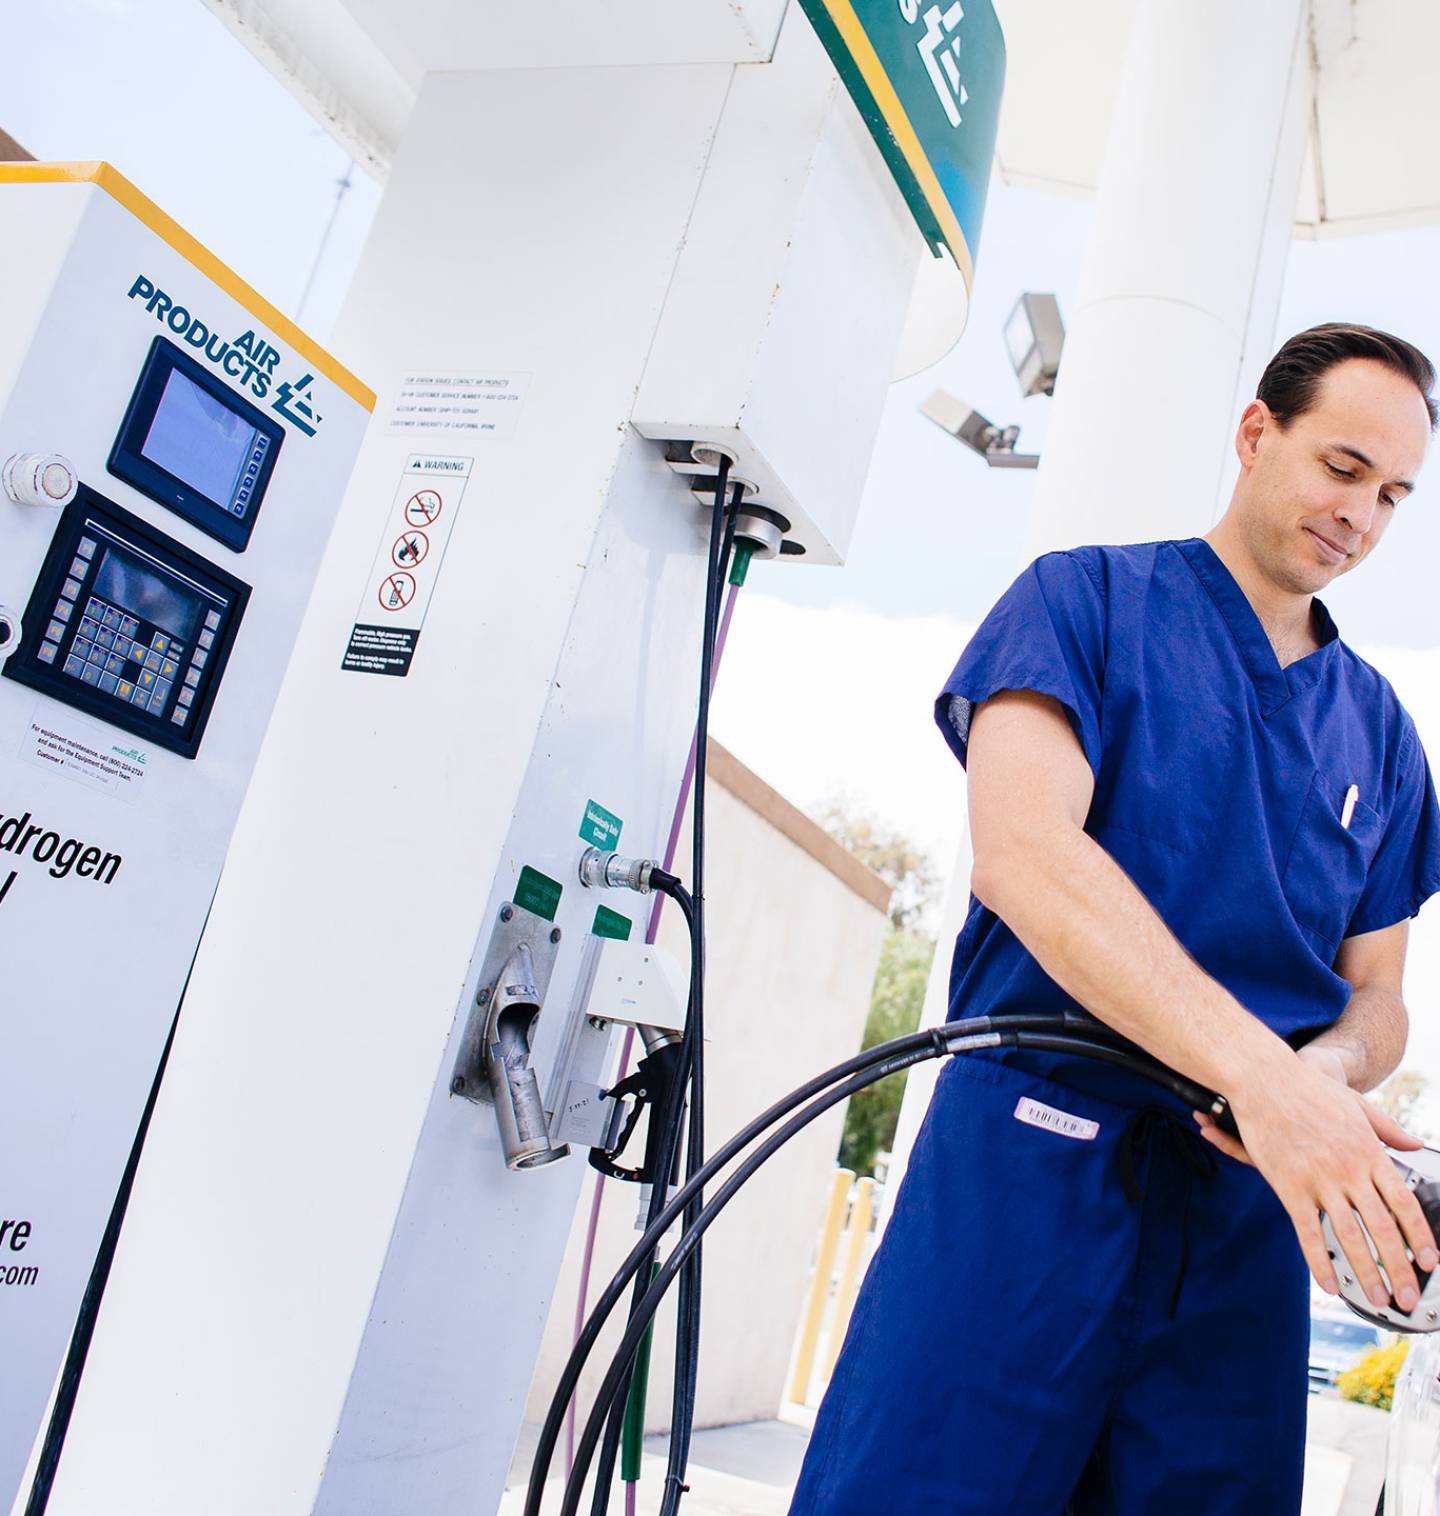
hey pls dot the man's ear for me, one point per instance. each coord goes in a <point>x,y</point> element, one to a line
<point>1253,422</point>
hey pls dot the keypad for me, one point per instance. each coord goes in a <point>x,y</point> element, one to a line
<point>113,653</point>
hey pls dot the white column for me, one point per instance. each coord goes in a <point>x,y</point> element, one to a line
<point>1177,311</point>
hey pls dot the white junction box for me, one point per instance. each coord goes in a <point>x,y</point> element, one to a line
<point>173,454</point>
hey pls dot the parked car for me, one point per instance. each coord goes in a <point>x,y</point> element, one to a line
<point>1338,1341</point>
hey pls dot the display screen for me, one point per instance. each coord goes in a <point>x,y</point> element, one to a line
<point>199,439</point>
<point>137,588</point>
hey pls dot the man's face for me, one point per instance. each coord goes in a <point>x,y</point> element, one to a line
<point>1317,496</point>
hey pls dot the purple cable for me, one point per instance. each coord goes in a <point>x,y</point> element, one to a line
<point>672,843</point>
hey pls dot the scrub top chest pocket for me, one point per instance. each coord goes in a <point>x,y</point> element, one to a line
<point>1328,861</point>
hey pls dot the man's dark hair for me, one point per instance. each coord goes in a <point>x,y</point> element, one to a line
<point>1291,380</point>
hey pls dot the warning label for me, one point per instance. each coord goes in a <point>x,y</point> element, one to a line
<point>407,563</point>
<point>86,753</point>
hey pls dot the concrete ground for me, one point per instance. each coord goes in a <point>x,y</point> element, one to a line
<point>749,1470</point>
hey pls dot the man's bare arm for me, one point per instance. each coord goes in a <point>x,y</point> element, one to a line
<point>1369,1038</point>
<point>1097,936</point>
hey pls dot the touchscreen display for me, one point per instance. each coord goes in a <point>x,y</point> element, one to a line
<point>137,589</point>
<point>199,439</point>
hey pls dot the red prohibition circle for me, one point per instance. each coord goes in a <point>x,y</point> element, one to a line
<point>423,508</point>
<point>409,550</point>
<point>397,591</point>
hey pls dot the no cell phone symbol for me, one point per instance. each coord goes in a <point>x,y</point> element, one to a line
<point>422,508</point>
<point>410,549</point>
<point>397,591</point>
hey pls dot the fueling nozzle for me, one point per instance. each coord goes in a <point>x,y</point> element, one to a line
<point>1420,1172</point>
<point>514,1006</point>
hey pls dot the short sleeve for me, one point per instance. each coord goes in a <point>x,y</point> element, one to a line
<point>1405,870</point>
<point>1046,634</point>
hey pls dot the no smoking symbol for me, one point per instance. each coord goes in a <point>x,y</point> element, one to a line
<point>422,508</point>
<point>410,549</point>
<point>397,592</point>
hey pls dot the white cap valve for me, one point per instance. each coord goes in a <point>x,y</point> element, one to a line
<point>39,479</point>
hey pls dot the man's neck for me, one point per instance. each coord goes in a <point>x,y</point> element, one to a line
<point>1287,617</point>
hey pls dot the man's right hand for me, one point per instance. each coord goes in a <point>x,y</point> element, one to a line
<point>1318,1144</point>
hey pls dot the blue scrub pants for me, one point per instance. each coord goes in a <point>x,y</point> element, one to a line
<point>1018,1347</point>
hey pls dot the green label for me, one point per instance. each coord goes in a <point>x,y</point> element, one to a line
<point>600,827</point>
<point>537,892</point>
<point>610,923</point>
<point>927,78</point>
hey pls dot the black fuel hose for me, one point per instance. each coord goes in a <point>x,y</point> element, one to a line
<point>1052,1032</point>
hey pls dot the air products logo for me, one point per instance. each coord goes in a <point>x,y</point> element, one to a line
<point>248,358</point>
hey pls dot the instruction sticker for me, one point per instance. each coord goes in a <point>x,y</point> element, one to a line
<point>465,405</point>
<point>89,754</point>
<point>538,893</point>
<point>600,827</point>
<point>611,924</point>
<point>407,564</point>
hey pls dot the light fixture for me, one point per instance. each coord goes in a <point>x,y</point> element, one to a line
<point>1034,337</point>
<point>995,444</point>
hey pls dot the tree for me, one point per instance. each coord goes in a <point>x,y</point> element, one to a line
<point>898,993</point>
<point>899,862</point>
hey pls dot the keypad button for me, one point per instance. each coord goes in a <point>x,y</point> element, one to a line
<point>163,687</point>
<point>192,677</point>
<point>73,666</point>
<point>140,697</point>
<point>63,608</point>
<point>112,620</point>
<point>81,648</point>
<point>185,696</point>
<point>124,689</point>
<point>206,639</point>
<point>114,662</point>
<point>212,619</point>
<point>87,547</point>
<point>105,637</point>
<point>71,589</point>
<point>152,659</point>
<point>108,683</point>
<point>168,668</point>
<point>157,703</point>
<point>121,645</point>
<point>160,642</point>
<point>55,631</point>
<point>129,625</point>
<point>88,627</point>
<point>46,652</point>
<point>90,674</point>
<point>179,716</point>
<point>78,568</point>
<point>94,607</point>
<point>146,679</point>
<point>200,659</point>
<point>97,655</point>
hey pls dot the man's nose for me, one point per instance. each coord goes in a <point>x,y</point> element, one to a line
<point>1357,514</point>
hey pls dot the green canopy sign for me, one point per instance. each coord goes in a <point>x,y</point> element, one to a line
<point>927,76</point>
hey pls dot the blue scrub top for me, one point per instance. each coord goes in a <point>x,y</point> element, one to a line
<point>1220,777</point>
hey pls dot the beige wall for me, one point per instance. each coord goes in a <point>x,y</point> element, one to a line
<point>794,926</point>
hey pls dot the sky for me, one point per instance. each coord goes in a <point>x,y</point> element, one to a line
<point>846,710</point>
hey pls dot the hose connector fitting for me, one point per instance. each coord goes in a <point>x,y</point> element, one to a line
<point>611,871</point>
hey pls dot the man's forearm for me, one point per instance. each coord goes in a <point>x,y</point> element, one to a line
<point>1369,1037</point>
<point>1099,938</point>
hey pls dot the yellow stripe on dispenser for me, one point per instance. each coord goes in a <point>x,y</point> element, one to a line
<point>120,189</point>
<point>877,81</point>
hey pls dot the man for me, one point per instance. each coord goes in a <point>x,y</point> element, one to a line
<point>1200,817</point>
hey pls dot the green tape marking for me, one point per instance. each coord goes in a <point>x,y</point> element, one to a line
<point>538,893</point>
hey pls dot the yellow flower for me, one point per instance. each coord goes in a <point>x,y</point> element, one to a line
<point>1372,1380</point>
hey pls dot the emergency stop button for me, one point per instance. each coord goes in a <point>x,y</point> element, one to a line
<point>39,479</point>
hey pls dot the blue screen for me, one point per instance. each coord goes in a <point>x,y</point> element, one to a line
<point>135,587</point>
<point>199,440</point>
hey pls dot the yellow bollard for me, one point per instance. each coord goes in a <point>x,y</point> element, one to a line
<point>820,1283</point>
<point>855,1236</point>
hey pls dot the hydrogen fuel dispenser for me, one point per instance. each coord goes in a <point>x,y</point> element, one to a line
<point>172,455</point>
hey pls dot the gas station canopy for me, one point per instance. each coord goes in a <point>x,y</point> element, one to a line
<point>1366,169</point>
